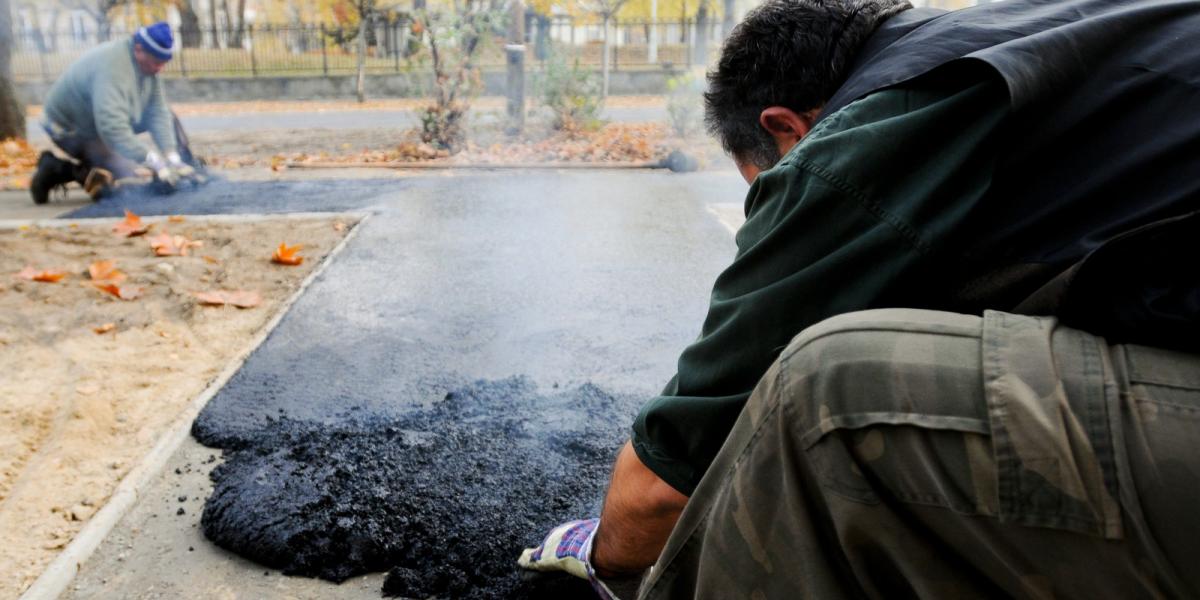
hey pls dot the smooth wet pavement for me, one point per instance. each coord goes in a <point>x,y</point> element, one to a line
<point>561,277</point>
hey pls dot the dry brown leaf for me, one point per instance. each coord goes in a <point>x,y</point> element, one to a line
<point>238,298</point>
<point>176,218</point>
<point>286,255</point>
<point>44,276</point>
<point>165,244</point>
<point>105,271</point>
<point>105,328</point>
<point>131,226</point>
<point>212,260</point>
<point>124,292</point>
<point>339,226</point>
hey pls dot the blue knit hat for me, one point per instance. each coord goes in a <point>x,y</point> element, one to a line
<point>156,40</point>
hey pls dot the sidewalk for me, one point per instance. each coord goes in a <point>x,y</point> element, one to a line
<point>17,204</point>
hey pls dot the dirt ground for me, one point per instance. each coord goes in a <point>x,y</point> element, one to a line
<point>91,381</point>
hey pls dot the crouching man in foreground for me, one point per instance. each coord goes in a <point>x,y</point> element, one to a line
<point>955,354</point>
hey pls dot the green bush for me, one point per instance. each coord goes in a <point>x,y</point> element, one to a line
<point>685,105</point>
<point>572,93</point>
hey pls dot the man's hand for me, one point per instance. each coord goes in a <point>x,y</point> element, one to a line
<point>568,548</point>
<point>182,170</point>
<point>161,170</point>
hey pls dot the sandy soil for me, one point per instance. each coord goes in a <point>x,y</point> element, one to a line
<point>80,405</point>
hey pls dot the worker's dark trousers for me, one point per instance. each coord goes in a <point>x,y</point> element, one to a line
<point>906,453</point>
<point>93,152</point>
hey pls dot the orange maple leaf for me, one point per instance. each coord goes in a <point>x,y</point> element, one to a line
<point>123,292</point>
<point>238,298</point>
<point>105,271</point>
<point>131,226</point>
<point>286,255</point>
<point>45,275</point>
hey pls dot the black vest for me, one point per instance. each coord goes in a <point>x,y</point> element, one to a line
<point>1103,140</point>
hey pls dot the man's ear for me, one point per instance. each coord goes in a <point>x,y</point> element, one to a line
<point>786,125</point>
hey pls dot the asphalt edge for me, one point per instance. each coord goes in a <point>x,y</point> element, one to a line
<point>61,571</point>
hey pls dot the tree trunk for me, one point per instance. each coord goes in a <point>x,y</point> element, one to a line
<point>12,114</point>
<point>235,36</point>
<point>360,87</point>
<point>604,61</point>
<point>189,24</point>
<point>652,35</point>
<point>727,18</point>
<point>700,57</point>
<point>214,42</point>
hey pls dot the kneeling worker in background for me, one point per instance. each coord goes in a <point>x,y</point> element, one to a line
<point>94,112</point>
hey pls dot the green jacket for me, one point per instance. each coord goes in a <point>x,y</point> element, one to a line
<point>104,95</point>
<point>854,217</point>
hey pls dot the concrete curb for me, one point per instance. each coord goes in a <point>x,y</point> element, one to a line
<point>62,570</point>
<point>59,222</point>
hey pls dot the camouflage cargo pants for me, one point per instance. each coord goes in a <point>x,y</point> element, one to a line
<point>906,453</point>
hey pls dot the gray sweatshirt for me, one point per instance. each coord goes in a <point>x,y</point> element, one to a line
<point>105,95</point>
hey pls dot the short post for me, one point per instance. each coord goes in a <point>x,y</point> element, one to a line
<point>182,62</point>
<point>396,44</point>
<point>253,61</point>
<point>515,49</point>
<point>324,54</point>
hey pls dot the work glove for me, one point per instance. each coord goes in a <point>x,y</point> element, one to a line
<point>568,548</point>
<point>182,170</point>
<point>162,171</point>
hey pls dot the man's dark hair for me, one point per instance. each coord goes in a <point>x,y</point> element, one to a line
<point>790,53</point>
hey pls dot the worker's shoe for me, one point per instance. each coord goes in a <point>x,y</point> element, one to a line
<point>51,172</point>
<point>98,183</point>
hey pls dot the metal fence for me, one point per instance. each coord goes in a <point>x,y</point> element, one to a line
<point>314,49</point>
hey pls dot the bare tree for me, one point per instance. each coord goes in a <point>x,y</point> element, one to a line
<point>189,24</point>
<point>607,9</point>
<point>12,115</point>
<point>98,10</point>
<point>235,22</point>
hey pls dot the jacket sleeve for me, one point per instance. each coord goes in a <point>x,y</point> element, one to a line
<point>111,109</point>
<point>159,121</point>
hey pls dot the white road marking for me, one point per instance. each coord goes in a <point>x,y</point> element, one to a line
<point>730,214</point>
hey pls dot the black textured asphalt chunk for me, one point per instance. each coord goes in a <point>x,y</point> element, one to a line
<point>445,497</point>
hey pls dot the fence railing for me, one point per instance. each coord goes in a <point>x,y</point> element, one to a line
<point>314,49</point>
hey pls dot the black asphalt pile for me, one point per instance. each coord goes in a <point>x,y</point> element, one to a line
<point>444,497</point>
<point>236,197</point>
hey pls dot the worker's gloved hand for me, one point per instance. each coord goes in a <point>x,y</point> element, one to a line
<point>568,548</point>
<point>162,172</point>
<point>182,170</point>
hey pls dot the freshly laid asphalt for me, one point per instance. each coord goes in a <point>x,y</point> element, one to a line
<point>564,278</point>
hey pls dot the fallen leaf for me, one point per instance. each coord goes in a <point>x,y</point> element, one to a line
<point>238,298</point>
<point>286,255</point>
<point>176,218</point>
<point>339,227</point>
<point>165,244</point>
<point>45,275</point>
<point>105,328</point>
<point>124,292</point>
<point>87,389</point>
<point>105,271</point>
<point>212,260</point>
<point>131,226</point>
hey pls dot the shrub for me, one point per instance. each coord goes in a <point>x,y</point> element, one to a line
<point>572,93</point>
<point>685,105</point>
